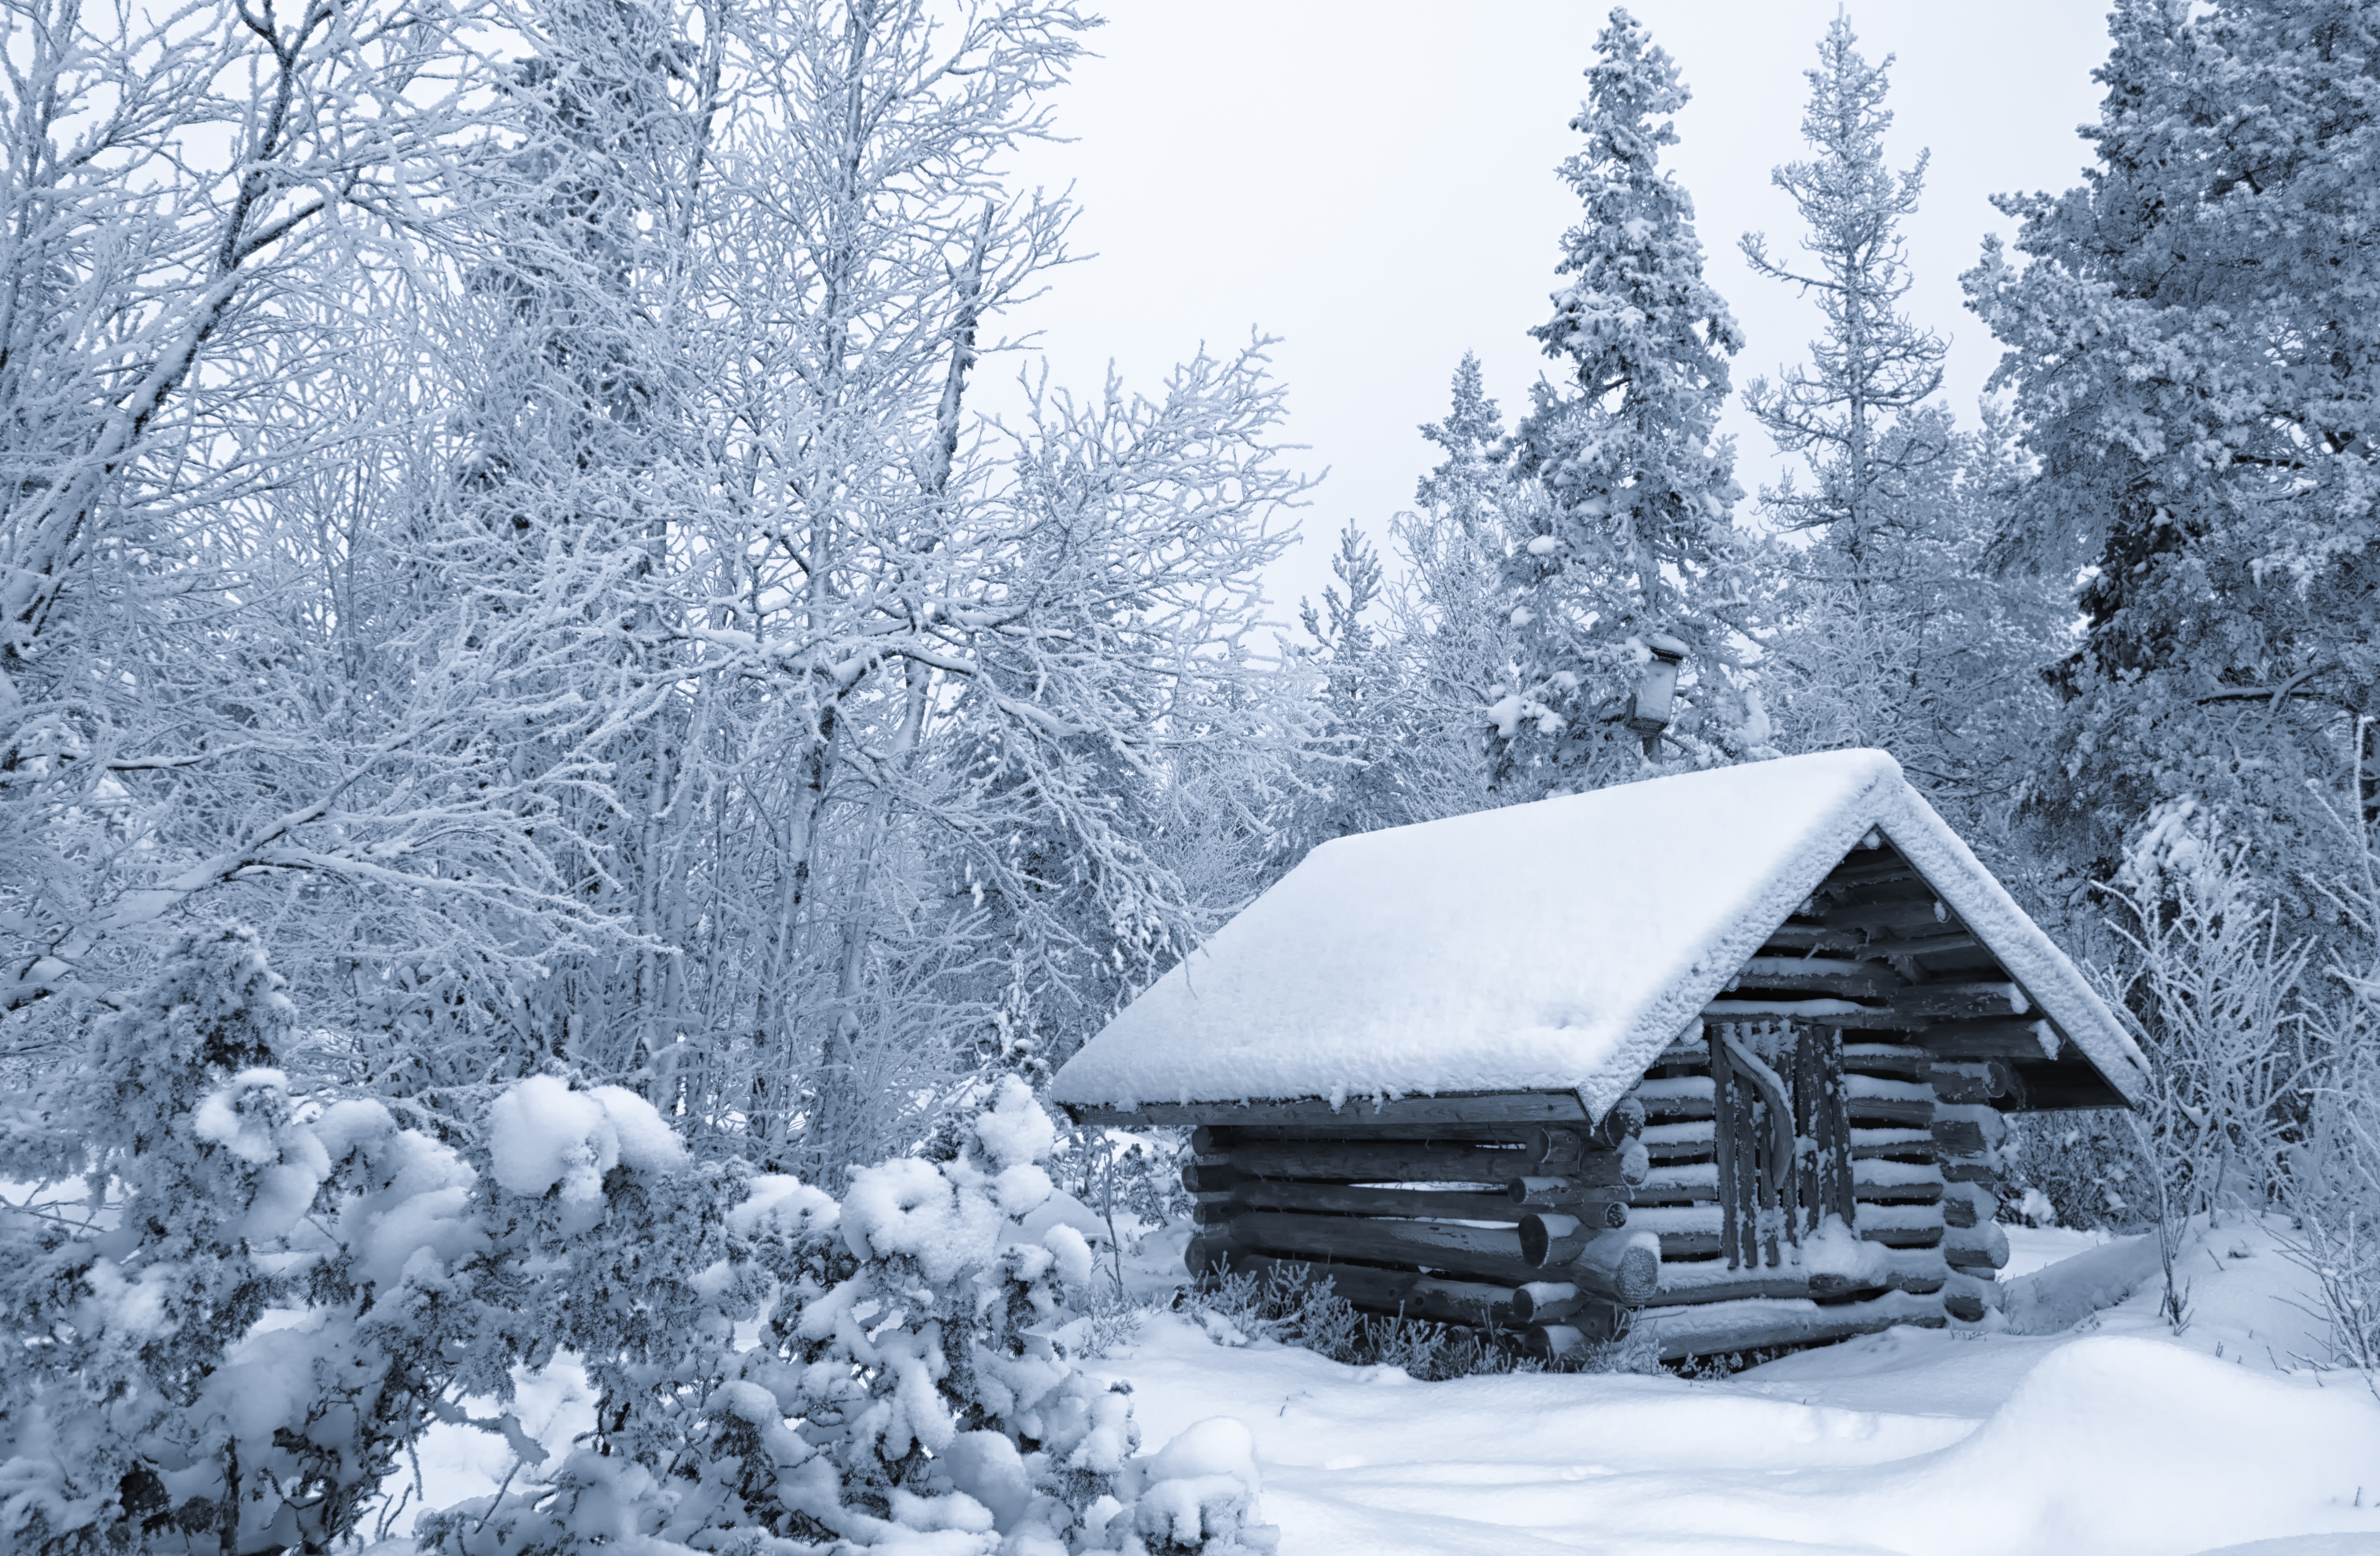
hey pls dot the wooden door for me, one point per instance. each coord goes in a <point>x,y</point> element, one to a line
<point>1780,1134</point>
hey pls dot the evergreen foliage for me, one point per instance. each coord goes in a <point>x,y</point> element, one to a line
<point>1632,534</point>
<point>268,1294</point>
<point>254,1303</point>
<point>2191,345</point>
<point>1891,629</point>
<point>1846,409</point>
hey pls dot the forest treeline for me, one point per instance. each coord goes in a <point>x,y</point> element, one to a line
<point>504,584</point>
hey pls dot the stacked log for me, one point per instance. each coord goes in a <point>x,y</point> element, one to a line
<point>1897,1185</point>
<point>1518,1209</point>
<point>1955,1025</point>
<point>1968,1137</point>
<point>1505,1225</point>
<point>1559,1231</point>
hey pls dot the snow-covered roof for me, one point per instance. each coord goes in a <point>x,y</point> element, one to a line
<point>1553,946</point>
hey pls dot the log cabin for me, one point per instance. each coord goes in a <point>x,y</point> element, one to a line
<point>1726,1056</point>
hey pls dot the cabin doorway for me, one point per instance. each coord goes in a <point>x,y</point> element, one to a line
<point>1781,1137</point>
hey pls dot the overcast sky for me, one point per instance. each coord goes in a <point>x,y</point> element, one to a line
<point>1374,182</point>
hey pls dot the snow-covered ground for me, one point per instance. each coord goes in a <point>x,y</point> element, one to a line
<point>2032,1247</point>
<point>2114,1437</point>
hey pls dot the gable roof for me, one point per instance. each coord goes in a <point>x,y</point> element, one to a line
<point>1558,945</point>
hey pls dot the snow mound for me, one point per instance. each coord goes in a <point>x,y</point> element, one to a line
<point>2172,1429</point>
<point>1198,1492</point>
<point>541,1133</point>
<point>908,1207</point>
<point>1926,1443</point>
<point>2057,1296</point>
<point>2305,1545</point>
<point>1836,1249</point>
<point>782,1206</point>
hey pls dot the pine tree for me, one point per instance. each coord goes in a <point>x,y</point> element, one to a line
<point>2196,362</point>
<point>1467,484</point>
<point>1846,409</point>
<point>1888,630</point>
<point>1449,615</point>
<point>1633,544</point>
<point>1354,785</point>
<point>1919,648</point>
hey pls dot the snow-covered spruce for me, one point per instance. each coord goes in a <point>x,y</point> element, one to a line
<point>905,1391</point>
<point>1631,546</point>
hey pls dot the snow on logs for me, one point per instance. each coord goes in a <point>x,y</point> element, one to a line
<point>1967,1140</point>
<point>1554,1153</point>
<point>1471,1230</point>
<point>1441,1116</point>
<point>1886,955</point>
<point>1669,1099</point>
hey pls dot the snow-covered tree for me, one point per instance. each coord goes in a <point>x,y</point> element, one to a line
<point>919,671</point>
<point>1410,664</point>
<point>1888,627</point>
<point>2195,363</point>
<point>1451,635</point>
<point>1846,409</point>
<point>1920,647</point>
<point>1355,779</point>
<point>1633,542</point>
<point>611,642</point>
<point>195,198</point>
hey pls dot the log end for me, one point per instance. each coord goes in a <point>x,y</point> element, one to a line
<point>1628,1263</point>
<point>1541,1302</point>
<point>1207,1253</point>
<point>1639,1274</point>
<point>1622,1124</point>
<point>1543,1233</point>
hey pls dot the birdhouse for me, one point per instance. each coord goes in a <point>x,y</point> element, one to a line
<point>1653,704</point>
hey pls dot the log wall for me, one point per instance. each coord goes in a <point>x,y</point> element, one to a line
<point>1555,1233</point>
<point>1408,1219</point>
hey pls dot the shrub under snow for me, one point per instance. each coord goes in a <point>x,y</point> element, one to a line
<point>225,1352</point>
<point>904,1391</point>
<point>229,1348</point>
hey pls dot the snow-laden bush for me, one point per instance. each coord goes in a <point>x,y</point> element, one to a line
<point>2332,1177</point>
<point>250,1310</point>
<point>906,1390</point>
<point>228,1341</point>
<point>2217,999</point>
